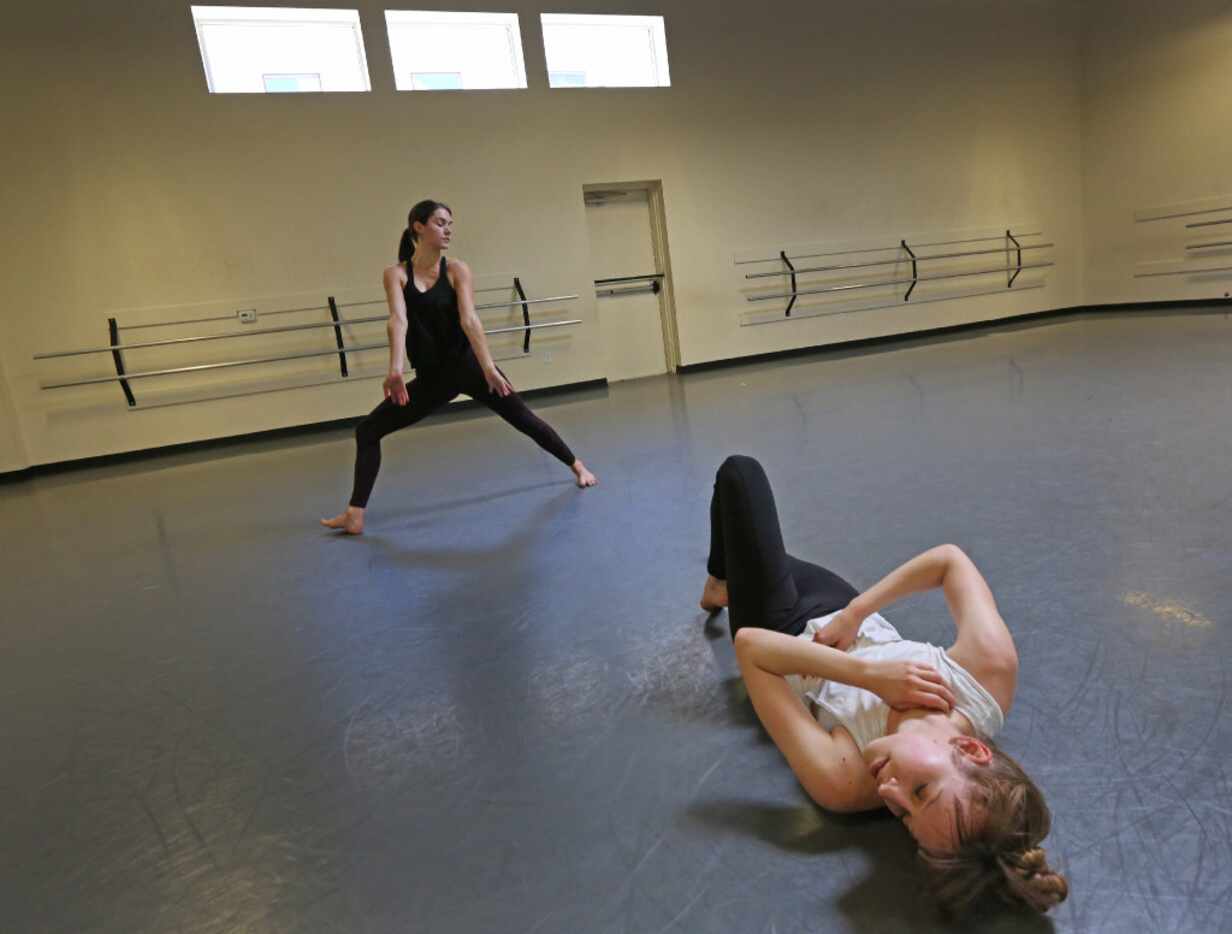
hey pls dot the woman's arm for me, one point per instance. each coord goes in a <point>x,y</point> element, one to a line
<point>460,278</point>
<point>828,765</point>
<point>395,387</point>
<point>901,684</point>
<point>984,645</point>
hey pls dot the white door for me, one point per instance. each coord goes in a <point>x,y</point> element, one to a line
<point>630,312</point>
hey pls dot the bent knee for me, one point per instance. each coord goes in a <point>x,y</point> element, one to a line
<point>736,465</point>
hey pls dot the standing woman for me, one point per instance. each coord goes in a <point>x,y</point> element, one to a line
<point>432,319</point>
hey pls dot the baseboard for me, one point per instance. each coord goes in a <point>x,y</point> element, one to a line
<point>908,337</point>
<point>272,434</point>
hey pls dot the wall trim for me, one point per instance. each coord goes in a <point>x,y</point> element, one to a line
<point>907,337</point>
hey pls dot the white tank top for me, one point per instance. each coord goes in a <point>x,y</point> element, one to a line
<point>862,713</point>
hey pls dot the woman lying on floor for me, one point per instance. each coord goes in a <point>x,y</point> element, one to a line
<point>867,719</point>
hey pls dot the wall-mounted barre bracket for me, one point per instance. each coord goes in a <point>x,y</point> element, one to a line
<point>915,272</point>
<point>517,286</point>
<point>114,331</point>
<point>1014,275</point>
<point>792,269</point>
<point>333,313</point>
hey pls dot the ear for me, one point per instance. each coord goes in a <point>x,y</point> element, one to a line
<point>972,749</point>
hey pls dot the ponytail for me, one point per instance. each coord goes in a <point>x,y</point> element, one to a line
<point>406,247</point>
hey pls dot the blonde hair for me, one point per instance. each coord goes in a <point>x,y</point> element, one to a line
<point>999,836</point>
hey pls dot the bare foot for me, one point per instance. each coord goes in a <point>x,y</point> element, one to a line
<point>584,477</point>
<point>714,595</point>
<point>351,522</point>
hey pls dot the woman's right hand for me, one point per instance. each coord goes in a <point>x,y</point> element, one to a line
<point>395,389</point>
<point>906,684</point>
<point>841,631</point>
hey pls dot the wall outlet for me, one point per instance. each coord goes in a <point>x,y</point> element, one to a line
<point>547,356</point>
<point>247,315</point>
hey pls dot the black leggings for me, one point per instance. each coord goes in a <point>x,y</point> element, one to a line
<point>766,587</point>
<point>428,392</point>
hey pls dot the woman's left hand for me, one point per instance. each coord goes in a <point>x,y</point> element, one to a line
<point>904,684</point>
<point>496,381</point>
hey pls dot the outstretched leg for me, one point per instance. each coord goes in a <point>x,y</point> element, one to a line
<point>517,413</point>
<point>765,586</point>
<point>426,396</point>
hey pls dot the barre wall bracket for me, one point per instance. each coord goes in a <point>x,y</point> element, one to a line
<point>1014,273</point>
<point>517,285</point>
<point>114,330</point>
<point>333,313</point>
<point>915,272</point>
<point>792,270</point>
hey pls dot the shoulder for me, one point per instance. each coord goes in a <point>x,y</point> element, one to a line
<point>395,274</point>
<point>457,270</point>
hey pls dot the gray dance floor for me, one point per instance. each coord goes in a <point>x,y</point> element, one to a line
<point>501,710</point>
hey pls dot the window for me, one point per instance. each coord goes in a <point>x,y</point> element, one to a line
<point>605,51</point>
<point>434,51</point>
<point>278,50</point>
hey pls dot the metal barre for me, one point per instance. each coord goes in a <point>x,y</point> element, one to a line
<point>298,356</point>
<point>211,366</point>
<point>882,249</point>
<point>653,275</point>
<point>1183,272</point>
<point>1207,223</point>
<point>243,393</point>
<point>874,285</point>
<point>278,330</point>
<point>1209,246</point>
<point>898,259</point>
<point>829,312</point>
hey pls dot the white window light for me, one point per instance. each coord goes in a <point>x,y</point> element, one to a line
<point>596,51</point>
<point>255,50</point>
<point>436,51</point>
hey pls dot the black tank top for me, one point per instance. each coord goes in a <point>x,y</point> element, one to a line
<point>434,336</point>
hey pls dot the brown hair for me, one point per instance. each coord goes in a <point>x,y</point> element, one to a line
<point>999,836</point>
<point>420,214</point>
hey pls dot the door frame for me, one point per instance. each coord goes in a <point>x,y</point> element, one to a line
<point>658,245</point>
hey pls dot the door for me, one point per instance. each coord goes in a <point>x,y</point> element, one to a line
<point>632,291</point>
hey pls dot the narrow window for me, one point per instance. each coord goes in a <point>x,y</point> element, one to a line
<point>605,51</point>
<point>279,50</point>
<point>439,51</point>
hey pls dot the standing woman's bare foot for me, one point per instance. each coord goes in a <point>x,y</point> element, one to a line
<point>351,522</point>
<point>584,477</point>
<point>714,595</point>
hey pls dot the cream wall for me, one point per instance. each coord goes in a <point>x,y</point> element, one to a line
<point>806,122</point>
<point>1157,130</point>
<point>12,450</point>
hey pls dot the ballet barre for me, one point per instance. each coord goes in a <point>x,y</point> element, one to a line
<point>125,376</point>
<point>1011,246</point>
<point>1183,261</point>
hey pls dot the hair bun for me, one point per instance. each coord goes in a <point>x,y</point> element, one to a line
<point>1033,861</point>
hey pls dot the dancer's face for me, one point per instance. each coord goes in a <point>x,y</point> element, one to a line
<point>437,232</point>
<point>920,778</point>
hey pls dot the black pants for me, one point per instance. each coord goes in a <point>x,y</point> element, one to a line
<point>766,587</point>
<point>428,392</point>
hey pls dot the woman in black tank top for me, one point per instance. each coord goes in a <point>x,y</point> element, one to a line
<point>432,322</point>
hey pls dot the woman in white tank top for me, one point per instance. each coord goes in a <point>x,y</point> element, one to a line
<point>867,719</point>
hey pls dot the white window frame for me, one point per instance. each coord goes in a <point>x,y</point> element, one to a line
<point>405,71</point>
<point>213,15</point>
<point>655,26</point>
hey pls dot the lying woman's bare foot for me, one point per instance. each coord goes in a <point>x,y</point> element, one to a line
<point>584,477</point>
<point>714,595</point>
<point>351,521</point>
